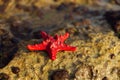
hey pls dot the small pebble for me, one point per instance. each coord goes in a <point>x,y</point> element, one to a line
<point>4,76</point>
<point>112,56</point>
<point>15,70</point>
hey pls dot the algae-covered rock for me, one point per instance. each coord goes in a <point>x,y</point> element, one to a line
<point>37,65</point>
<point>98,48</point>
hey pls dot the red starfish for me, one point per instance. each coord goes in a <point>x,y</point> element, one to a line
<point>52,44</point>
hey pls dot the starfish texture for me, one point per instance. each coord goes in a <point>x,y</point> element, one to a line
<point>52,44</point>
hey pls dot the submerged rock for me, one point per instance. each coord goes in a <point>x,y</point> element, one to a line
<point>20,28</point>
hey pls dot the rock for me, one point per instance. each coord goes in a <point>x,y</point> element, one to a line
<point>60,75</point>
<point>20,28</point>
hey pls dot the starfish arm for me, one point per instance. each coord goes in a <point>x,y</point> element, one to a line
<point>52,53</point>
<point>44,35</point>
<point>67,47</point>
<point>36,47</point>
<point>64,37</point>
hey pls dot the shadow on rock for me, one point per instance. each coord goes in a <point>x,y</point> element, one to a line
<point>8,47</point>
